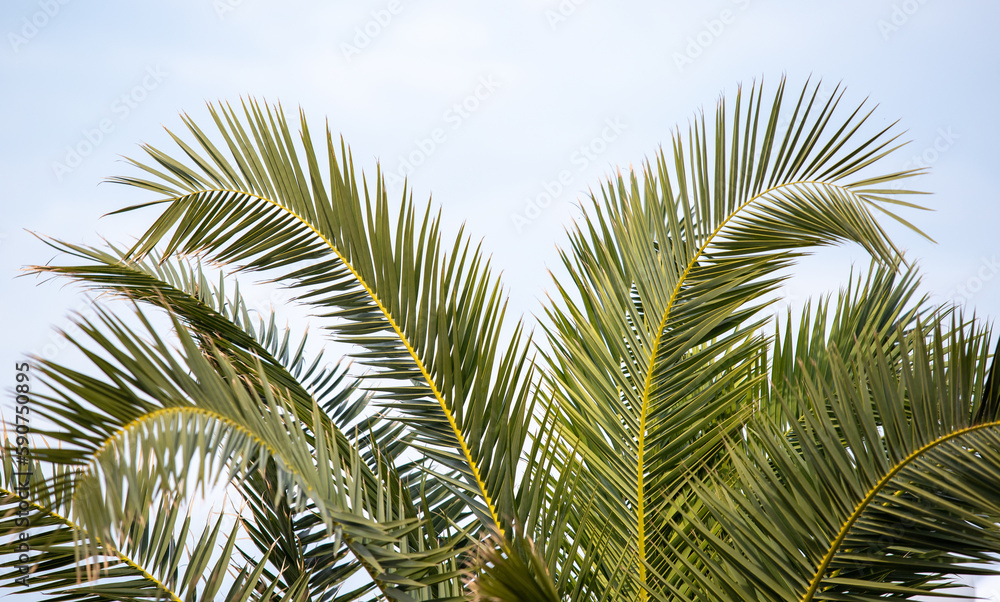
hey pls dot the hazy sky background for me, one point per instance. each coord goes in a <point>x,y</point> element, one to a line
<point>492,102</point>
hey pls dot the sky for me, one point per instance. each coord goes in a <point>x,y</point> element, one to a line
<point>504,114</point>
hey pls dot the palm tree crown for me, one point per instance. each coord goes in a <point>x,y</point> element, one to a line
<point>661,440</point>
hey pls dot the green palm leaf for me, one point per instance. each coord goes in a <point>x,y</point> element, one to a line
<point>868,497</point>
<point>196,417</point>
<point>874,308</point>
<point>145,567</point>
<point>655,348</point>
<point>427,316</point>
<point>222,321</point>
<point>669,449</point>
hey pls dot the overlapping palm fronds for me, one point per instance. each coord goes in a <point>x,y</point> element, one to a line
<point>657,355</point>
<point>663,447</point>
<point>884,486</point>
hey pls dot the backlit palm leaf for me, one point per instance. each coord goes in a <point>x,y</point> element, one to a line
<point>887,485</point>
<point>656,352</point>
<point>193,416</point>
<point>427,315</point>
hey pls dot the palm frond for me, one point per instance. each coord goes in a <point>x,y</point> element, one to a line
<point>669,449</point>
<point>221,320</point>
<point>514,572</point>
<point>426,316</point>
<point>656,352</point>
<point>873,308</point>
<point>217,317</point>
<point>145,567</point>
<point>868,497</point>
<point>163,419</point>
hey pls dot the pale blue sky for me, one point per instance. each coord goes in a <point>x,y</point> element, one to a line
<point>533,81</point>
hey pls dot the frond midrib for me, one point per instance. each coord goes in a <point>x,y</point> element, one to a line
<point>113,550</point>
<point>348,539</point>
<point>460,438</point>
<point>258,347</point>
<point>658,338</point>
<point>845,528</point>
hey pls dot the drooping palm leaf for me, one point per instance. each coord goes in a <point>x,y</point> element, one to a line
<point>886,485</point>
<point>193,416</point>
<point>655,344</point>
<point>145,567</point>
<point>216,316</point>
<point>425,314</point>
<point>222,322</point>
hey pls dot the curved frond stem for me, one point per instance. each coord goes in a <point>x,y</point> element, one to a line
<point>845,529</point>
<point>203,308</point>
<point>438,395</point>
<point>658,338</point>
<point>105,549</point>
<point>155,415</point>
